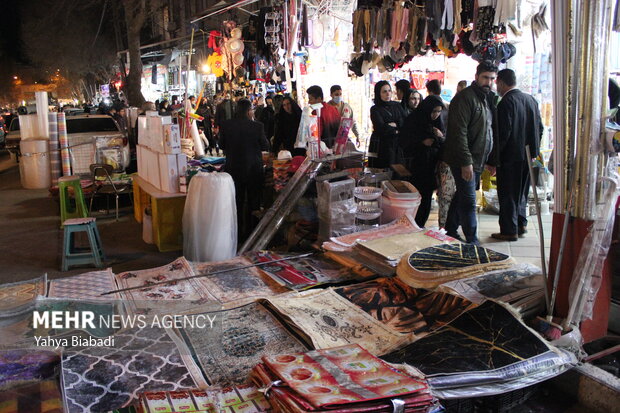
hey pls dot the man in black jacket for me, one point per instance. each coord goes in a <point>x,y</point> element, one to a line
<point>519,124</point>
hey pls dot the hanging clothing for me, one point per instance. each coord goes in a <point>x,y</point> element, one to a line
<point>505,10</point>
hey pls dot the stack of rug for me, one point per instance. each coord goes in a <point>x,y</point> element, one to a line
<point>433,266</point>
<point>345,379</point>
<point>521,286</point>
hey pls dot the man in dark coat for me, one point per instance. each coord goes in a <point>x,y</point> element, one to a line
<point>519,124</point>
<point>469,142</point>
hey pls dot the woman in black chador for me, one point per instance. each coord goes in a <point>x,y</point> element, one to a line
<point>387,118</point>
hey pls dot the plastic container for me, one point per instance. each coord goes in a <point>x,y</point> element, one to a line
<point>410,192</point>
<point>34,167</point>
<point>396,208</point>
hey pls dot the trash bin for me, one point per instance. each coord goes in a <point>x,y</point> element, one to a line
<point>34,168</point>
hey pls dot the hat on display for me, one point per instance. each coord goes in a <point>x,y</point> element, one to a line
<point>317,34</point>
<point>237,59</point>
<point>235,46</point>
<point>284,155</point>
<point>235,33</point>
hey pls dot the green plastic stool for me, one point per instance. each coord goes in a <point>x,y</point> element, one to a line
<point>71,256</point>
<point>68,208</point>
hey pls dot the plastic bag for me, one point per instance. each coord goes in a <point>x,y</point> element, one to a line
<point>210,218</point>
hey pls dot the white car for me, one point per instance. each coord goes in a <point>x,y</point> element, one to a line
<point>92,139</point>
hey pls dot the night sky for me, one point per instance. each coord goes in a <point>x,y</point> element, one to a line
<point>10,45</point>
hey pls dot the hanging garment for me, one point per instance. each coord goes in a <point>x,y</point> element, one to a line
<point>483,28</point>
<point>447,19</point>
<point>505,10</point>
<point>467,11</point>
<point>434,12</point>
<point>456,9</point>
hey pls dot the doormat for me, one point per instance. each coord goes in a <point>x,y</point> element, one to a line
<point>87,286</point>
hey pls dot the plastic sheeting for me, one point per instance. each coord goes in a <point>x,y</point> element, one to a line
<point>210,218</point>
<point>55,161</point>
<point>64,144</point>
<point>588,273</point>
<point>199,147</point>
<point>34,167</point>
<point>42,114</point>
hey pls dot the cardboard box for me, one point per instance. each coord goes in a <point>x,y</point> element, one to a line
<point>172,139</point>
<point>152,167</point>
<point>156,133</point>
<point>141,171</point>
<point>182,164</point>
<point>168,173</point>
<point>143,131</point>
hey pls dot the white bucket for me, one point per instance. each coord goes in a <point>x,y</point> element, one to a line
<point>396,208</point>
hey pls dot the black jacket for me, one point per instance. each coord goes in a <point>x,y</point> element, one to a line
<point>286,126</point>
<point>267,118</point>
<point>519,124</point>
<point>384,138</point>
<point>243,140</point>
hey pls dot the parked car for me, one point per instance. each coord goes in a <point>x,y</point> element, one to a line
<point>92,139</point>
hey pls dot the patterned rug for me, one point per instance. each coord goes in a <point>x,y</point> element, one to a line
<point>433,266</point>
<point>19,297</point>
<point>97,379</point>
<point>327,319</point>
<point>404,308</point>
<point>175,298</point>
<point>299,274</point>
<point>23,365</point>
<point>485,338</point>
<point>239,338</point>
<point>42,397</point>
<point>88,286</point>
<point>237,287</point>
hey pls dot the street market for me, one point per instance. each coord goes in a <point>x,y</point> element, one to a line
<point>314,206</point>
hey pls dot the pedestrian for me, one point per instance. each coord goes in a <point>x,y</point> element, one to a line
<point>413,99</point>
<point>343,108</point>
<point>267,117</point>
<point>204,110</point>
<point>164,108</point>
<point>422,136</point>
<point>121,118</point>
<point>461,85</point>
<point>518,124</point>
<point>286,126</point>
<point>468,144</point>
<point>243,141</point>
<point>402,87</point>
<point>329,117</point>
<point>387,118</point>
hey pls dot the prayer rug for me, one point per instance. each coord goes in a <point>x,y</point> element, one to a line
<point>485,338</point>
<point>26,365</point>
<point>299,274</point>
<point>88,286</point>
<point>41,397</point>
<point>234,399</point>
<point>404,225</point>
<point>404,308</point>
<point>433,266</point>
<point>19,297</point>
<point>347,377</point>
<point>238,286</point>
<point>393,248</point>
<point>175,298</point>
<point>325,319</point>
<point>506,285</point>
<point>99,379</point>
<point>237,341</point>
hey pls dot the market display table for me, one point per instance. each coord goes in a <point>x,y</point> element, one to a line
<point>166,211</point>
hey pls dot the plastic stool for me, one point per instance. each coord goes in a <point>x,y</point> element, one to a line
<point>67,208</point>
<point>72,257</point>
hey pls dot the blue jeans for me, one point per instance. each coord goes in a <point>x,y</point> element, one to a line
<point>462,210</point>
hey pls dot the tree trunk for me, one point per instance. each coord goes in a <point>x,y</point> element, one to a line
<point>135,14</point>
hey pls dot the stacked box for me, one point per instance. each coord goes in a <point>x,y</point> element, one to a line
<point>168,172</point>
<point>336,208</point>
<point>172,139</point>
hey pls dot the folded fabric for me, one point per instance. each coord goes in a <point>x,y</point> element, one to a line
<point>87,286</point>
<point>238,286</point>
<point>404,308</point>
<point>18,297</point>
<point>433,266</point>
<point>325,319</point>
<point>298,274</point>
<point>23,365</point>
<point>346,378</point>
<point>229,348</point>
<point>484,346</point>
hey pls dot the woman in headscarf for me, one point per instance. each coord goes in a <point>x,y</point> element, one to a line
<point>286,125</point>
<point>413,99</point>
<point>422,137</point>
<point>387,118</point>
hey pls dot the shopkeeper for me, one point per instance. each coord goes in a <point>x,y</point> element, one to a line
<point>243,141</point>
